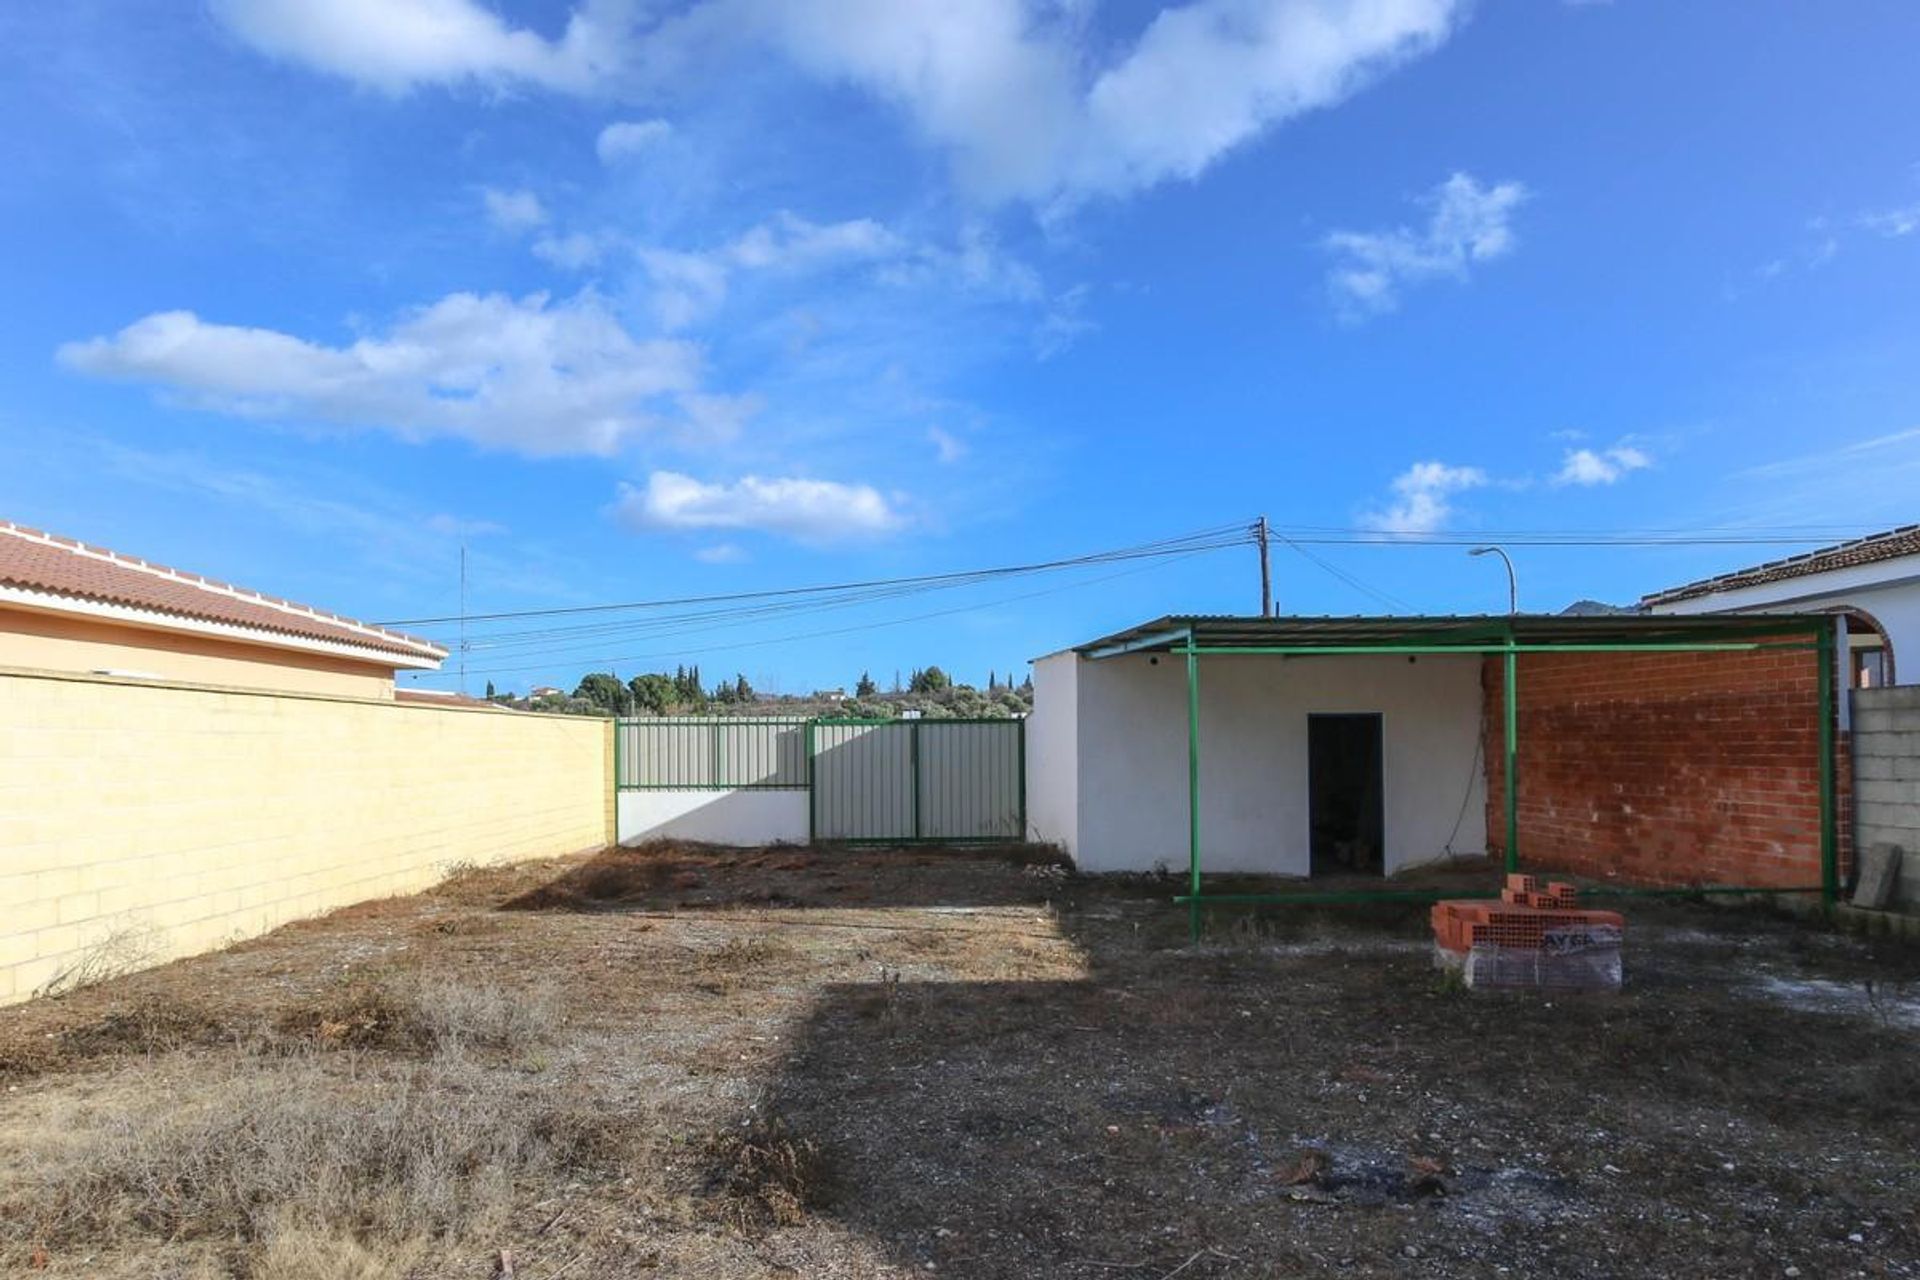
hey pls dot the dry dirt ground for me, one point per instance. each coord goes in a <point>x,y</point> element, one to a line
<point>686,1061</point>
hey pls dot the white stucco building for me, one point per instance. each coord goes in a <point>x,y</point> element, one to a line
<point>1107,752</point>
<point>1872,585</point>
<point>1297,746</point>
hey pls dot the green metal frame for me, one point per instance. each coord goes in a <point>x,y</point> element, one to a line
<point>1501,640</point>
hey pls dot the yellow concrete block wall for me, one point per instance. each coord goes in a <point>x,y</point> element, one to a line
<point>168,819</point>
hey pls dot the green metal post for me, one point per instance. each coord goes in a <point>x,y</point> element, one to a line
<point>1829,837</point>
<point>913,771</point>
<point>1022,723</point>
<point>813,796</point>
<point>1193,790</point>
<point>1510,713</point>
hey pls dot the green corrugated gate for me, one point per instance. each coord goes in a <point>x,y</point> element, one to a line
<point>897,781</point>
<point>891,781</point>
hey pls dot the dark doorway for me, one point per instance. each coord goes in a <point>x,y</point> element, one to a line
<point>1345,809</point>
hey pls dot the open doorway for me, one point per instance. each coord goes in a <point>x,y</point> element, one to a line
<point>1345,809</point>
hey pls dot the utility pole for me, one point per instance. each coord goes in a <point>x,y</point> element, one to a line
<point>463,618</point>
<point>1266,572</point>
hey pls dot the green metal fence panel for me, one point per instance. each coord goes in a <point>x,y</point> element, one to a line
<point>870,780</point>
<point>863,780</point>
<point>900,781</point>
<point>970,780</point>
<point>676,753</point>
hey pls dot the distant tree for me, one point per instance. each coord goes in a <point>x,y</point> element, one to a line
<point>931,680</point>
<point>742,691</point>
<point>604,690</point>
<point>866,688</point>
<point>652,693</point>
<point>489,691</point>
<point>687,689</point>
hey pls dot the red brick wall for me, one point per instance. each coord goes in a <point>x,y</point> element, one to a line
<point>1665,768</point>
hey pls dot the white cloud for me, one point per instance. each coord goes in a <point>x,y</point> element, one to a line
<point>947,447</point>
<point>1468,223</point>
<point>625,139</point>
<point>514,210</point>
<point>790,242</point>
<point>1590,467</point>
<point>1207,76</point>
<point>720,553</point>
<point>526,374</point>
<point>690,286</point>
<point>1028,102</point>
<point>574,251</point>
<point>815,511</point>
<point>1063,323</point>
<point>687,287</point>
<point>1015,89</point>
<point>1893,222</point>
<point>397,45</point>
<point>1422,493</point>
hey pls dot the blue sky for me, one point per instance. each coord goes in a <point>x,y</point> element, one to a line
<point>641,300</point>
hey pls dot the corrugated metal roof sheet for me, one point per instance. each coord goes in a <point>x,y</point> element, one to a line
<point>1232,631</point>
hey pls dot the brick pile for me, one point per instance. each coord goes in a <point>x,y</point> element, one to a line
<point>1536,936</point>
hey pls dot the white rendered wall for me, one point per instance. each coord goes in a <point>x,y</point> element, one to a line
<point>1132,756</point>
<point>717,817</point>
<point>1053,778</point>
<point>1888,592</point>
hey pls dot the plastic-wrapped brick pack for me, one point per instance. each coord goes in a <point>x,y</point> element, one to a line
<point>1572,957</point>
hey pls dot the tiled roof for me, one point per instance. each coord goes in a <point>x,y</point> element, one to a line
<point>444,698</point>
<point>60,566</point>
<point>1894,543</point>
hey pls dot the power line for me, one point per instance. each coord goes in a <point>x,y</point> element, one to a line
<point>865,626</point>
<point>1220,535</point>
<point>1392,602</point>
<point>1537,538</point>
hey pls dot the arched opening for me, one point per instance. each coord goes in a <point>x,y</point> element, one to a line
<point>1869,651</point>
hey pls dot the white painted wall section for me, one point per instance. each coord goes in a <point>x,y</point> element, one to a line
<point>1129,738</point>
<point>744,817</point>
<point>1053,763</point>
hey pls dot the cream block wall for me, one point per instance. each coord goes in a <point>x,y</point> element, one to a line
<point>194,815</point>
<point>50,642</point>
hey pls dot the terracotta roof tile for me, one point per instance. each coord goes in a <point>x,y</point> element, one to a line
<point>46,562</point>
<point>1890,545</point>
<point>437,698</point>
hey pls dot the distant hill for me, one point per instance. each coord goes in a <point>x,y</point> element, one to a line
<point>1595,609</point>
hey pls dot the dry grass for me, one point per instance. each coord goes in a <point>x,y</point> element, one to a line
<point>121,951</point>
<point>424,1016</point>
<point>764,1174</point>
<point>256,1147</point>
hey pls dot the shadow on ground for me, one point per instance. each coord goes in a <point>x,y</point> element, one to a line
<point>1294,1095</point>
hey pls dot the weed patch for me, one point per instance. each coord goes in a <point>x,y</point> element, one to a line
<point>423,1016</point>
<point>766,1175</point>
<point>293,1145</point>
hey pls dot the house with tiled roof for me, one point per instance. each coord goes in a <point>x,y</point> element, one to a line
<point>70,607</point>
<point>1871,584</point>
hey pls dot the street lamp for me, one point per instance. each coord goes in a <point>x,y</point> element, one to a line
<point>1513,589</point>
